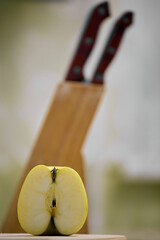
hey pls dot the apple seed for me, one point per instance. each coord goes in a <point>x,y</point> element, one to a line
<point>54,172</point>
<point>54,203</point>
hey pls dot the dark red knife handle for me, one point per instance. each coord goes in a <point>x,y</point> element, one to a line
<point>112,46</point>
<point>98,14</point>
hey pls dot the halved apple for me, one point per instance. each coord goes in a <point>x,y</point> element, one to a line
<point>52,201</point>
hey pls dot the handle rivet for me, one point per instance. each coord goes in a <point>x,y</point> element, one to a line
<point>111,50</point>
<point>99,77</point>
<point>101,11</point>
<point>88,40</point>
<point>126,20</point>
<point>77,69</point>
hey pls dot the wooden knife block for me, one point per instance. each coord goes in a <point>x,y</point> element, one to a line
<point>61,137</point>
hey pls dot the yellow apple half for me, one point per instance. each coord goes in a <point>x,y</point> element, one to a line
<point>52,201</point>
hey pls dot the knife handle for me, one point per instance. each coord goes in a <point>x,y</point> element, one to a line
<point>112,46</point>
<point>86,43</point>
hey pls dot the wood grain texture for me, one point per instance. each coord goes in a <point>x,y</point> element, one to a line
<point>61,137</point>
<point>72,237</point>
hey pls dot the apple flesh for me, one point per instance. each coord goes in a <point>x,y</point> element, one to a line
<point>52,201</point>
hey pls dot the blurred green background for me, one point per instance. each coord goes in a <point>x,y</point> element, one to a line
<point>37,42</point>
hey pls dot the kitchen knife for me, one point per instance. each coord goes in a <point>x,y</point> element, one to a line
<point>112,46</point>
<point>87,41</point>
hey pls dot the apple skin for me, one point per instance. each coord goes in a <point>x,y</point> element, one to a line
<point>52,201</point>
